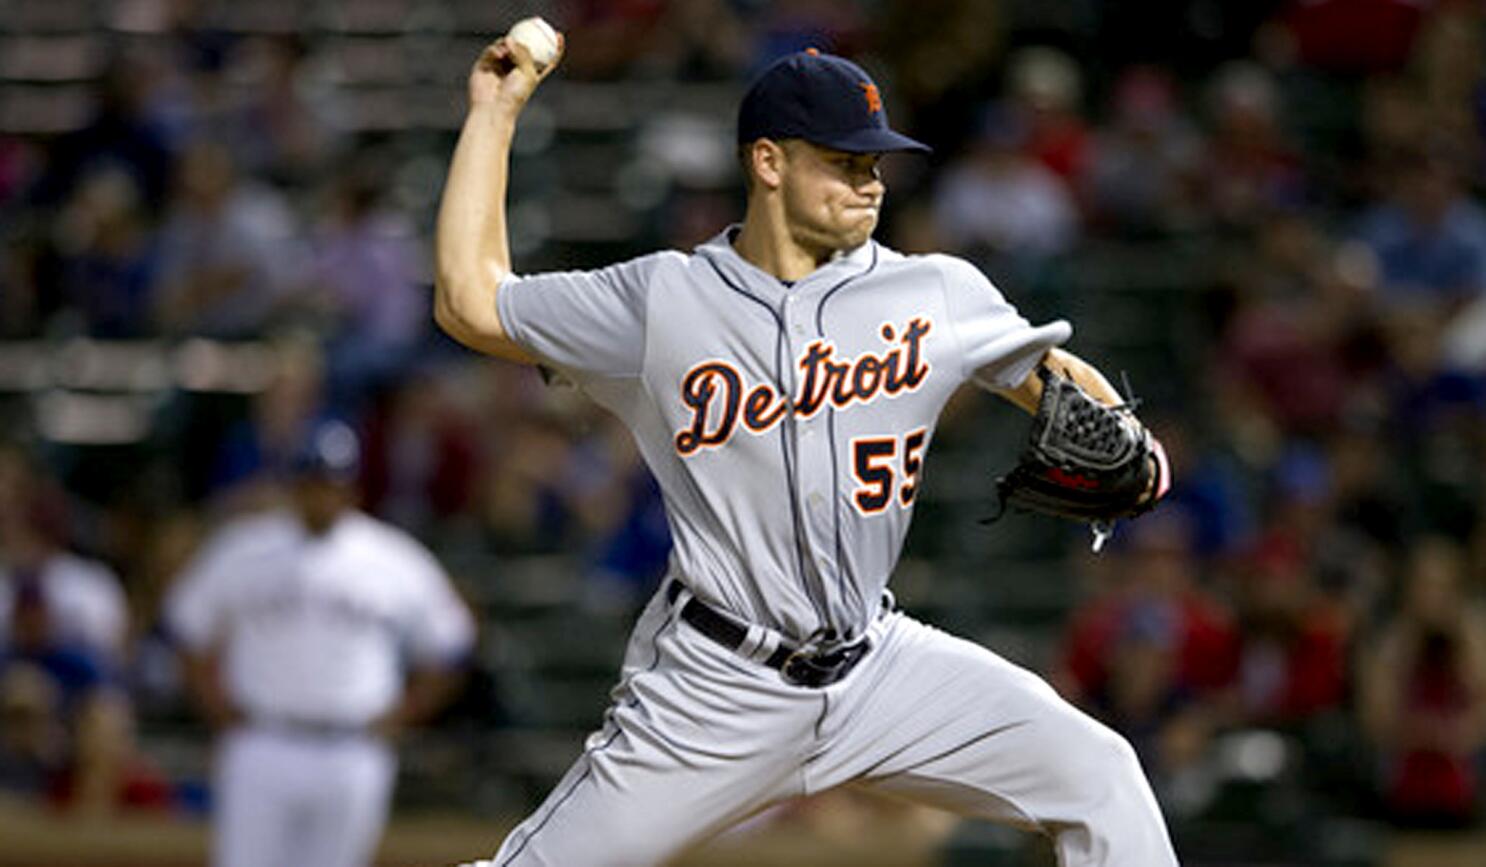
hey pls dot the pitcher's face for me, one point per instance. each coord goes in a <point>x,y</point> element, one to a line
<point>831,198</point>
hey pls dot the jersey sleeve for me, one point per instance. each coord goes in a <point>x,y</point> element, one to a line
<point>998,346</point>
<point>439,630</point>
<point>590,322</point>
<point>195,606</point>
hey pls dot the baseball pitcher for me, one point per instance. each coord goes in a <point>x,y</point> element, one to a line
<point>783,383</point>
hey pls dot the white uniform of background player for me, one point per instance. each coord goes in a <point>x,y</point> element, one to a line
<point>298,624</point>
<point>783,384</point>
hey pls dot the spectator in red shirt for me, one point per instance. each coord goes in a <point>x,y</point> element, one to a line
<point>1291,659</point>
<point>423,465</point>
<point>1154,582</point>
<point>1048,89</point>
<point>1423,693</point>
<point>1251,168</point>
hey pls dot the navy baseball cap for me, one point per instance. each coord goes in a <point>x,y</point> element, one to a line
<point>330,451</point>
<point>823,99</point>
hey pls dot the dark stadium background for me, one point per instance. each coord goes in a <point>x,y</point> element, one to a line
<point>216,224</point>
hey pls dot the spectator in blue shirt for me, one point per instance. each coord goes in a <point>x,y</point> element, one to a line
<point>66,724</point>
<point>1431,239</point>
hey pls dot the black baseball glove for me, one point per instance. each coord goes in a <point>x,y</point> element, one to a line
<point>1085,461</point>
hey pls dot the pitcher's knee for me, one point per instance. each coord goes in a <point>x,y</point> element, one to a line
<point>1094,756</point>
<point>1120,757</point>
<point>1121,816</point>
<point>1105,776</point>
<point>1119,768</point>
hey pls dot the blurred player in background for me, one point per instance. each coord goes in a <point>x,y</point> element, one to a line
<point>295,625</point>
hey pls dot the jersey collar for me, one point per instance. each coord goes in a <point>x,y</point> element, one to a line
<point>719,250</point>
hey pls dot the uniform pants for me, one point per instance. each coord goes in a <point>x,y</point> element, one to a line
<point>300,799</point>
<point>698,737</point>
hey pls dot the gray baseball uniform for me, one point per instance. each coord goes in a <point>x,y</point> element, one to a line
<point>787,427</point>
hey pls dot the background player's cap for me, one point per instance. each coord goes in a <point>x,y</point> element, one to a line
<point>823,99</point>
<point>330,451</point>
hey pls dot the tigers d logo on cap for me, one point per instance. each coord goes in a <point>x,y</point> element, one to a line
<point>823,99</point>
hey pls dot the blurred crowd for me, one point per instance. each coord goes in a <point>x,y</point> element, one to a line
<point>1319,570</point>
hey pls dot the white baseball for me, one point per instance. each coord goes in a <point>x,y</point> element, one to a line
<point>539,39</point>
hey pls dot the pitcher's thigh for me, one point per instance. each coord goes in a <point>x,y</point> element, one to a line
<point>696,739</point>
<point>988,738</point>
<point>623,805</point>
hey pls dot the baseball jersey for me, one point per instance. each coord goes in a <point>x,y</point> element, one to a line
<point>84,602</point>
<point>785,424</point>
<point>317,628</point>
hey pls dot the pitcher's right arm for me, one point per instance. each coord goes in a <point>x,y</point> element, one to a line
<point>471,248</point>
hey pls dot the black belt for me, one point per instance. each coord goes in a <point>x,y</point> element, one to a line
<point>798,666</point>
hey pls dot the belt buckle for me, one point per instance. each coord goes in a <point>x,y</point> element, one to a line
<point>804,667</point>
<point>799,668</point>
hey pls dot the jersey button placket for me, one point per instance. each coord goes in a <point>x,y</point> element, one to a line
<point>797,429</point>
<point>792,315</point>
<point>815,483</point>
